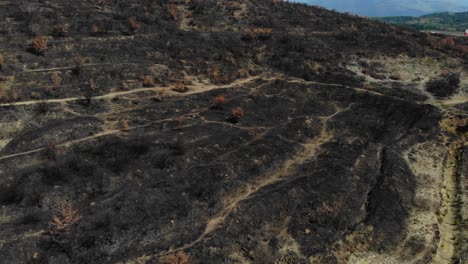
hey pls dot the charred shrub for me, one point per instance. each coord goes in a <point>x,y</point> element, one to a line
<point>52,174</point>
<point>160,158</point>
<point>445,85</point>
<point>8,193</point>
<point>117,154</point>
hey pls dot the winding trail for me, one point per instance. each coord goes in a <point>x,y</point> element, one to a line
<point>194,89</point>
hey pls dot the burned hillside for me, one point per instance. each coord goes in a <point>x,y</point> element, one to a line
<point>247,131</point>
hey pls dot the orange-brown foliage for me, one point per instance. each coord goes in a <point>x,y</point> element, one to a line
<point>56,79</point>
<point>237,112</point>
<point>65,216</point>
<point>257,33</point>
<point>39,45</point>
<point>173,11</point>
<point>330,209</point>
<point>177,258</point>
<point>148,81</point>
<point>220,99</point>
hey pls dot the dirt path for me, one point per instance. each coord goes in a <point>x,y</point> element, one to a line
<point>195,89</point>
<point>64,144</point>
<point>456,100</point>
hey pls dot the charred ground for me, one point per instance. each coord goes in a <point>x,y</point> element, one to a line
<point>226,131</point>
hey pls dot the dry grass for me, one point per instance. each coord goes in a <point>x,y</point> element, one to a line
<point>257,33</point>
<point>177,258</point>
<point>64,218</point>
<point>39,45</point>
<point>56,79</point>
<point>148,81</point>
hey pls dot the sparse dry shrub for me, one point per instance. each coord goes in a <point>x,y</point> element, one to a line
<point>148,81</point>
<point>448,42</point>
<point>445,43</point>
<point>3,93</point>
<point>56,79</point>
<point>125,126</point>
<point>214,74</point>
<point>257,34</point>
<point>180,88</point>
<point>65,216</point>
<point>220,99</point>
<point>78,61</point>
<point>52,149</point>
<point>134,25</point>
<point>460,48</point>
<point>315,68</point>
<point>39,45</point>
<point>8,96</point>
<point>237,113</point>
<point>95,29</point>
<point>62,30</point>
<point>330,210</point>
<point>180,122</point>
<point>173,11</point>
<point>177,258</point>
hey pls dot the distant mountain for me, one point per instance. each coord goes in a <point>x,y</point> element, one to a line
<point>392,7</point>
<point>439,21</point>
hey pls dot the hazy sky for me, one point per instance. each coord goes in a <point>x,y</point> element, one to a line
<point>392,7</point>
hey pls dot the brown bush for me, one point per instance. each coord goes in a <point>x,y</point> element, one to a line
<point>2,59</point>
<point>148,81</point>
<point>436,43</point>
<point>180,88</point>
<point>56,79</point>
<point>220,99</point>
<point>78,61</point>
<point>215,75</point>
<point>64,218</point>
<point>8,96</point>
<point>3,93</point>
<point>95,29</point>
<point>61,30</point>
<point>177,258</point>
<point>328,209</point>
<point>257,33</point>
<point>53,149</point>
<point>133,24</point>
<point>173,11</point>
<point>237,113</point>
<point>39,45</point>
